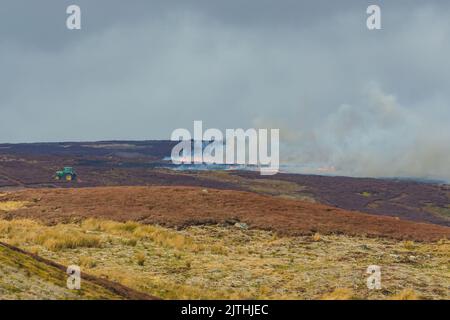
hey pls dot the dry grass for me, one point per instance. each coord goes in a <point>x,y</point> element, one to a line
<point>87,262</point>
<point>134,232</point>
<point>56,240</point>
<point>12,205</point>
<point>339,294</point>
<point>406,294</point>
<point>140,258</point>
<point>409,245</point>
<point>210,262</point>
<point>53,238</point>
<point>23,277</point>
<point>316,237</point>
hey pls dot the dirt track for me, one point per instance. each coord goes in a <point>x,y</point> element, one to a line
<point>116,288</point>
<point>183,206</point>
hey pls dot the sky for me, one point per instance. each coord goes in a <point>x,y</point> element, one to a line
<point>347,100</point>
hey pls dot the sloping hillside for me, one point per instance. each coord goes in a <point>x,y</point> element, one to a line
<point>183,206</point>
<point>212,262</point>
<point>24,275</point>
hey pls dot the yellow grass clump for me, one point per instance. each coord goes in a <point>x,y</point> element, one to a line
<point>140,258</point>
<point>159,235</point>
<point>316,237</point>
<point>22,229</point>
<point>12,205</point>
<point>406,294</point>
<point>339,294</point>
<point>52,238</point>
<point>87,262</point>
<point>56,240</point>
<point>409,245</point>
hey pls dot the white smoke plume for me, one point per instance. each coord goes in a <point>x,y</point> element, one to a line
<point>377,137</point>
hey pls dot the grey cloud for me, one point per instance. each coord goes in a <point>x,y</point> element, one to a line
<point>366,103</point>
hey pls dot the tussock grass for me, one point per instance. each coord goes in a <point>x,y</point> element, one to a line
<point>12,205</point>
<point>23,277</point>
<point>87,262</point>
<point>339,294</point>
<point>161,236</point>
<point>56,240</point>
<point>212,262</point>
<point>52,238</point>
<point>140,258</point>
<point>406,294</point>
<point>409,245</point>
<point>316,237</point>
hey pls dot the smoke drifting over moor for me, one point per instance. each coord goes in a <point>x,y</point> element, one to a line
<point>376,137</point>
<point>346,100</point>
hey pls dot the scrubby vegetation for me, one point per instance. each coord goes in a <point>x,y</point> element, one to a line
<point>206,262</point>
<point>53,238</point>
<point>12,205</point>
<point>22,277</point>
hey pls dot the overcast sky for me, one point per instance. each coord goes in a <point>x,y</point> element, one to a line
<point>368,103</point>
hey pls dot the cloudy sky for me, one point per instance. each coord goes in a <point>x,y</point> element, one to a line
<point>366,103</point>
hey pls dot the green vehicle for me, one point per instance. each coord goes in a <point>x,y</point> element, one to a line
<point>67,174</point>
